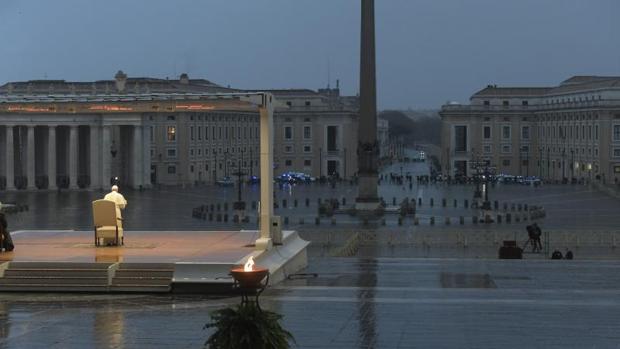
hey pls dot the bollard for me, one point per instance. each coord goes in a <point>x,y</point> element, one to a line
<point>317,221</point>
<point>508,218</point>
<point>447,220</point>
<point>419,201</point>
<point>432,202</point>
<point>307,202</point>
<point>462,220</point>
<point>432,220</point>
<point>333,220</point>
<point>455,203</point>
<point>443,202</point>
<point>499,219</point>
<point>466,203</point>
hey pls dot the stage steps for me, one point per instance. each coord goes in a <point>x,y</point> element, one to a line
<point>55,276</point>
<point>86,277</point>
<point>142,277</point>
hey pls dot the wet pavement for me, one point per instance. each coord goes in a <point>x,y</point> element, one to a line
<point>365,302</point>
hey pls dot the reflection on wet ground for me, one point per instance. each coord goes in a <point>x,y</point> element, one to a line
<point>355,303</point>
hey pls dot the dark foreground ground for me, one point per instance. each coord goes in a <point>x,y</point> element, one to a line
<point>359,302</point>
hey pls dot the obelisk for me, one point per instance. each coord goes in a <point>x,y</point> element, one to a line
<point>367,150</point>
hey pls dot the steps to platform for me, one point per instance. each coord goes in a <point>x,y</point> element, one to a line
<point>86,277</point>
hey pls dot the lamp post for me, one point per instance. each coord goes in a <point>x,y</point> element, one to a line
<point>239,206</point>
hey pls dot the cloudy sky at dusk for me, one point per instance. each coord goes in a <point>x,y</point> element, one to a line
<point>428,52</point>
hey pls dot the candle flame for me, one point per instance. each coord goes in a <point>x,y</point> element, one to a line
<point>249,265</point>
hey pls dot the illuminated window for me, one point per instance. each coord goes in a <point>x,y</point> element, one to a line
<point>172,133</point>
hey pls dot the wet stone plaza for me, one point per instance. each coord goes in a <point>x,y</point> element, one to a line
<point>366,286</point>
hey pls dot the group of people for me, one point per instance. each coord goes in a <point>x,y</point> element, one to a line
<point>534,233</point>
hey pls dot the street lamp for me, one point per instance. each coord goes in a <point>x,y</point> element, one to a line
<point>239,205</point>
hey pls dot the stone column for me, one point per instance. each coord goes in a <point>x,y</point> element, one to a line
<point>106,157</point>
<point>266,172</point>
<point>73,157</point>
<point>146,156</point>
<point>94,158</point>
<point>51,158</point>
<point>368,150</point>
<point>30,151</point>
<point>136,157</point>
<point>10,159</point>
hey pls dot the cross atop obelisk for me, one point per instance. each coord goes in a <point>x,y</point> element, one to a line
<point>368,150</point>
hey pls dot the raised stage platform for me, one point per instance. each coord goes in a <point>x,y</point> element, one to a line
<point>150,261</point>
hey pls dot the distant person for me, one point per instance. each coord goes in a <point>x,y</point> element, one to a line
<point>556,255</point>
<point>6,242</point>
<point>568,255</point>
<point>537,235</point>
<point>118,199</point>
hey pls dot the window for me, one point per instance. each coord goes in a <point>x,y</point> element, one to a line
<point>596,132</point>
<point>172,169</point>
<point>171,133</point>
<point>525,132</point>
<point>191,133</point>
<point>505,132</point>
<point>506,149</point>
<point>307,103</point>
<point>616,132</point>
<point>487,103</point>
<point>486,130</point>
<point>525,162</point>
<point>172,153</point>
<point>307,132</point>
<point>171,118</point>
<point>307,149</point>
<point>616,153</point>
<point>487,149</point>
<point>191,152</point>
<point>288,163</point>
<point>505,103</point>
<point>152,134</point>
<point>199,151</point>
<point>199,133</point>
<point>460,138</point>
<point>288,103</point>
<point>506,162</point>
<point>307,163</point>
<point>525,103</point>
<point>288,149</point>
<point>191,168</point>
<point>288,132</point>
<point>525,149</point>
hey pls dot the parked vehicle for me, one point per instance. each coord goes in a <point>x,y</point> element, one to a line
<point>225,182</point>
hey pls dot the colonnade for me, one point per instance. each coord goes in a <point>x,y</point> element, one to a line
<point>72,156</point>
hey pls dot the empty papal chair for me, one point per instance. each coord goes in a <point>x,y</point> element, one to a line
<point>108,226</point>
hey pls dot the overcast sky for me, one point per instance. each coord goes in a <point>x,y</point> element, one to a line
<point>428,51</point>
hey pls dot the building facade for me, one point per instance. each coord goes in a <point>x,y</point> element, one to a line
<point>565,132</point>
<point>145,131</point>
